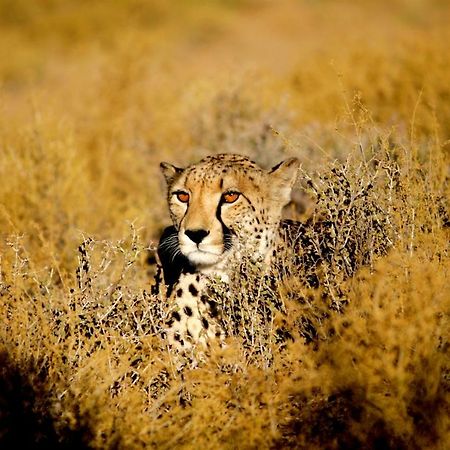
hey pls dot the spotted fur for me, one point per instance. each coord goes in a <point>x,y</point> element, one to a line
<point>223,208</point>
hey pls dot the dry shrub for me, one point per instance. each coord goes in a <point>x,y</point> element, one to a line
<point>346,346</point>
<point>371,371</point>
<point>379,382</point>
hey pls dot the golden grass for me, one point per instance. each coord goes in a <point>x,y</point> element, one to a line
<point>94,96</point>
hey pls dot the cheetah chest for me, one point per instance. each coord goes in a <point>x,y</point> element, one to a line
<point>193,318</point>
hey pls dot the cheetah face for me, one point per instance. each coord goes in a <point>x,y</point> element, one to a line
<point>225,203</point>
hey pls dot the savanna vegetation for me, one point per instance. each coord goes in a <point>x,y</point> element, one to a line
<point>94,94</point>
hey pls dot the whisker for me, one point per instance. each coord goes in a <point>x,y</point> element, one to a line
<point>176,252</point>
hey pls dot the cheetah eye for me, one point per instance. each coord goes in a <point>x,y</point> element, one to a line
<point>182,196</point>
<point>230,197</point>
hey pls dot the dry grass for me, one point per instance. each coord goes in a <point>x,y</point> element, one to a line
<point>92,97</point>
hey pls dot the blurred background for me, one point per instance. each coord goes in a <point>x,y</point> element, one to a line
<point>94,94</point>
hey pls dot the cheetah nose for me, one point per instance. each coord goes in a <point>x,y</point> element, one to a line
<point>196,236</point>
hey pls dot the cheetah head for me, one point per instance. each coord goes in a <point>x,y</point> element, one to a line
<point>227,202</point>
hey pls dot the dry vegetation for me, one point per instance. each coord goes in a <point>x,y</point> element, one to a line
<point>94,95</point>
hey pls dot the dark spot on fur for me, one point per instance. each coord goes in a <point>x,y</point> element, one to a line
<point>205,323</point>
<point>176,316</point>
<point>193,290</point>
<point>188,311</point>
<point>179,292</point>
<point>213,310</point>
<point>204,298</point>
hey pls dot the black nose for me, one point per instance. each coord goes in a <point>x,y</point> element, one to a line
<point>196,236</point>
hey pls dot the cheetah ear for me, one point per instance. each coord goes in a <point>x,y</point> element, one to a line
<point>169,171</point>
<point>284,176</point>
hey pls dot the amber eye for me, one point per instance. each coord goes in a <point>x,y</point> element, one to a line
<point>230,197</point>
<point>182,196</point>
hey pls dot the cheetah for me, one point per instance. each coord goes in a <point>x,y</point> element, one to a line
<point>223,208</point>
